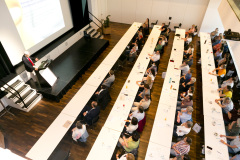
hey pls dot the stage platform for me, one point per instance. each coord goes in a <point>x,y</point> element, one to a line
<point>70,65</point>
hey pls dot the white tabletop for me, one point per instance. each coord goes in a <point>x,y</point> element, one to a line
<point>213,119</point>
<point>49,140</point>
<point>104,145</point>
<point>44,147</point>
<point>157,152</point>
<point>120,111</point>
<point>162,130</point>
<point>6,154</point>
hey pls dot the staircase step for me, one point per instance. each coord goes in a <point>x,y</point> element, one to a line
<point>14,85</point>
<point>94,34</point>
<point>89,27</point>
<point>25,95</point>
<point>91,31</point>
<point>32,99</point>
<point>19,90</point>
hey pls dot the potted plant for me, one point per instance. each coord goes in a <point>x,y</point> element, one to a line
<point>106,27</point>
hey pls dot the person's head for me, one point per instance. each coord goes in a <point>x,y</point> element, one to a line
<point>134,121</point>
<point>141,109</point>
<point>146,86</point>
<point>153,72</point>
<point>94,104</point>
<point>160,41</point>
<point>191,89</point>
<point>193,79</point>
<point>189,109</point>
<point>103,87</point>
<point>79,125</point>
<point>233,79</point>
<point>26,53</point>
<point>111,72</point>
<point>188,140</point>
<point>185,63</point>
<point>130,156</point>
<point>135,136</point>
<point>216,29</point>
<point>149,80</point>
<point>157,52</point>
<point>190,98</point>
<point>193,26</point>
<point>223,66</point>
<point>163,24</point>
<point>229,88</point>
<point>227,100</point>
<point>146,97</point>
<point>189,124</point>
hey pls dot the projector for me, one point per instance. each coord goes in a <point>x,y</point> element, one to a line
<point>235,36</point>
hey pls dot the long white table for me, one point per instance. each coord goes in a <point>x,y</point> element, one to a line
<point>120,111</point>
<point>213,119</point>
<point>55,132</point>
<point>161,136</point>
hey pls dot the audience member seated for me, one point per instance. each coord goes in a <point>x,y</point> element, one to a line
<point>227,104</point>
<point>229,82</point>
<point>164,40</point>
<point>226,92</point>
<point>183,129</point>
<point>132,54</point>
<point>130,128</point>
<point>187,40</point>
<point>181,148</point>
<point>167,33</point>
<point>214,33</point>
<point>184,95</point>
<point>184,115</point>
<point>128,156</point>
<point>146,80</point>
<point>217,40</point>
<point>188,101</point>
<point>233,128</point>
<point>79,133</point>
<point>152,74</point>
<point>107,82</point>
<point>139,113</point>
<point>145,102</point>
<point>221,73</point>
<point>184,87</point>
<point>233,145</point>
<point>223,60</point>
<point>163,28</point>
<point>184,67</point>
<point>191,30</point>
<point>154,57</point>
<point>102,97</point>
<point>146,91</point>
<point>129,144</point>
<point>231,116</point>
<point>89,112</point>
<point>187,77</point>
<point>153,66</point>
<point>159,46</point>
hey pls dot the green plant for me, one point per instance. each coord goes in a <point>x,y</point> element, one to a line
<point>106,22</point>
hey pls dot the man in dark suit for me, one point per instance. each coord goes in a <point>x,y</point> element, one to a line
<point>102,97</point>
<point>29,65</point>
<point>89,112</point>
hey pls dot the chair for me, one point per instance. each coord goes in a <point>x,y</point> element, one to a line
<point>152,24</point>
<point>141,124</point>
<point>94,120</point>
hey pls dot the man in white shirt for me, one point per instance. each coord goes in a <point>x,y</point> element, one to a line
<point>79,132</point>
<point>234,145</point>
<point>107,82</point>
<point>183,129</point>
<point>139,114</point>
<point>155,56</point>
<point>184,67</point>
<point>132,126</point>
<point>145,102</point>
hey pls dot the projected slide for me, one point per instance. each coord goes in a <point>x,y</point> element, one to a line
<point>36,20</point>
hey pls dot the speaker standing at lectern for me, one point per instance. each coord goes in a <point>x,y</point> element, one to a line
<point>29,65</point>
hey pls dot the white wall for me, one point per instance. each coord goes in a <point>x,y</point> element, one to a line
<point>187,12</point>
<point>230,20</point>
<point>98,8</point>
<point>212,19</point>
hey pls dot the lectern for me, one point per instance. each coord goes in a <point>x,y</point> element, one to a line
<point>45,76</point>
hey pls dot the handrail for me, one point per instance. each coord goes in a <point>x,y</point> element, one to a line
<point>18,95</point>
<point>97,20</point>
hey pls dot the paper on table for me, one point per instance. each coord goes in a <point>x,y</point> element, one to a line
<point>67,124</point>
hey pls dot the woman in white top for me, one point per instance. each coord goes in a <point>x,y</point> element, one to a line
<point>227,104</point>
<point>139,114</point>
<point>79,132</point>
<point>132,126</point>
<point>145,102</point>
<point>229,82</point>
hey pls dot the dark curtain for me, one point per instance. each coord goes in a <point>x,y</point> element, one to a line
<point>6,66</point>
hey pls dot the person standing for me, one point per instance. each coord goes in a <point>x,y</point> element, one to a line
<point>29,65</point>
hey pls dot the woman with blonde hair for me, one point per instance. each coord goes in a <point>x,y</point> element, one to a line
<point>128,156</point>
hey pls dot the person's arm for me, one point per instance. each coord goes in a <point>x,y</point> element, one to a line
<point>231,125</point>
<point>233,157</point>
<point>221,94</point>
<point>137,82</point>
<point>229,115</point>
<point>140,94</point>
<point>229,137</point>
<point>228,144</point>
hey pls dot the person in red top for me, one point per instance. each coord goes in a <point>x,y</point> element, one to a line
<point>29,64</point>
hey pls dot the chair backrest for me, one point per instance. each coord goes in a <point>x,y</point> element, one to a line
<point>141,124</point>
<point>95,119</point>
